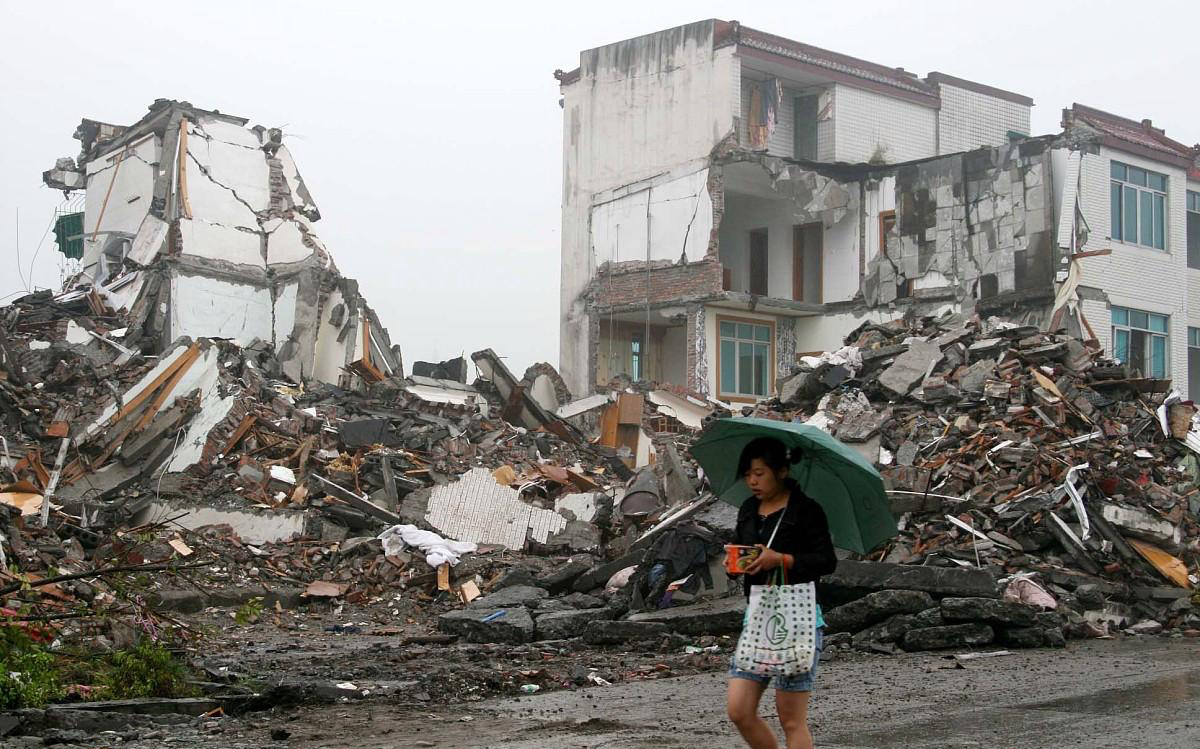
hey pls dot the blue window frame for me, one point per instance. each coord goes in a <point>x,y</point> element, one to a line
<point>1140,340</point>
<point>1138,206</point>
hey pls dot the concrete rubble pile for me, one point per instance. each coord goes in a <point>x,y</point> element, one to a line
<point>209,450</point>
<point>1070,479</point>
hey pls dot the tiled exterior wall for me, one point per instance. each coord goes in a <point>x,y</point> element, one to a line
<point>864,119</point>
<point>968,120</point>
<point>1134,276</point>
<point>782,142</point>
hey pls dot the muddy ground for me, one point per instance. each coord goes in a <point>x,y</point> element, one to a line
<point>1121,693</point>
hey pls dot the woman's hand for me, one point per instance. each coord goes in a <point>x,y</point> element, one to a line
<point>767,560</point>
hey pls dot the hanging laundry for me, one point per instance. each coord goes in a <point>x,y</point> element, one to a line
<point>766,98</point>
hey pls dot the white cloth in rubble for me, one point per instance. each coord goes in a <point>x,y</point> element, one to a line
<point>850,356</point>
<point>438,550</point>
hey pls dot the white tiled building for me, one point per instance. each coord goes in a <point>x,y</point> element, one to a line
<point>674,146</point>
<point>1139,193</point>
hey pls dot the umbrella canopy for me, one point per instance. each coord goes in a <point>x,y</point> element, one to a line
<point>842,481</point>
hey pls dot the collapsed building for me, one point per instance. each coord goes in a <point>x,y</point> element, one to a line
<point>197,224</point>
<point>733,200</point>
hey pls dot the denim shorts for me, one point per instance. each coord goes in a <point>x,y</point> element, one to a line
<point>797,683</point>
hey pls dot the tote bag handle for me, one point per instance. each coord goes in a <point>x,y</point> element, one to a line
<point>781,575</point>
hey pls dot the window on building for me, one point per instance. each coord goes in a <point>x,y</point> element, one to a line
<point>636,358</point>
<point>806,127</point>
<point>1138,206</point>
<point>1140,340</point>
<point>887,222</point>
<point>1193,229</point>
<point>1193,363</point>
<point>744,358</point>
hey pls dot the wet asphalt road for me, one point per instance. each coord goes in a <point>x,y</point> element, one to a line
<point>1120,694</point>
<point>1123,694</point>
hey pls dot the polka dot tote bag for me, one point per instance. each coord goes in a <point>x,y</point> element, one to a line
<point>779,631</point>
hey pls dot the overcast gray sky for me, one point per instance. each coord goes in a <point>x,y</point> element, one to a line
<point>430,134</point>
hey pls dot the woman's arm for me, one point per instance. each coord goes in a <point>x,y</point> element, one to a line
<point>810,553</point>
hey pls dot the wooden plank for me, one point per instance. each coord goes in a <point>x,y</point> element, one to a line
<point>1168,566</point>
<point>147,391</point>
<point>1090,253</point>
<point>108,193</point>
<point>185,206</point>
<point>185,364</point>
<point>443,577</point>
<point>164,391</point>
<point>630,407</point>
<point>236,436</point>
<point>608,426</point>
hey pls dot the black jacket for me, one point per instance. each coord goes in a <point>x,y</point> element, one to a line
<point>803,533</point>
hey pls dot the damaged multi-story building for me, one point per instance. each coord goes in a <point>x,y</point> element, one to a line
<point>733,199</point>
<point>196,224</point>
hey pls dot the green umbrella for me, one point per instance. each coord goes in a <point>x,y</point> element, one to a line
<point>843,482</point>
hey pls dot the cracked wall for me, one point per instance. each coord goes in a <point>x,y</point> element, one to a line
<point>976,226</point>
<point>217,214</point>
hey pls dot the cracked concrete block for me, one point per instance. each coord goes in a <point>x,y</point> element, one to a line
<point>950,636</point>
<point>504,625</point>
<point>989,610</point>
<point>874,608</point>
<point>910,367</point>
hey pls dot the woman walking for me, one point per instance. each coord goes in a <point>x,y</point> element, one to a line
<point>792,534</point>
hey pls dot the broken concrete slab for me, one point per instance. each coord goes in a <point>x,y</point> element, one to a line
<point>949,636</point>
<point>852,580</point>
<point>562,577</point>
<point>989,610</point>
<point>582,601</point>
<point>973,379</point>
<point>876,607</point>
<point>564,625</point>
<point>720,617</point>
<point>911,367</point>
<point>931,617</point>
<point>596,577</point>
<point>513,625</point>
<point>511,597</point>
<point>1141,524</point>
<point>621,632</point>
<point>891,629</point>
<point>1021,637</point>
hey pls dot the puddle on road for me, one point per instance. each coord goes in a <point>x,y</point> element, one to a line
<point>1170,690</point>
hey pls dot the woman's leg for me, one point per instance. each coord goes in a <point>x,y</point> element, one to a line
<point>793,716</point>
<point>742,705</point>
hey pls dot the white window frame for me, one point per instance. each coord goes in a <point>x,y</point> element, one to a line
<point>1123,321</point>
<point>1127,183</point>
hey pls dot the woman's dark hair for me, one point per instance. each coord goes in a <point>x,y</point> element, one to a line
<point>772,452</point>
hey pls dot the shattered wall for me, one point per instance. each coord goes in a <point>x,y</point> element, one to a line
<point>974,226</point>
<point>674,215</point>
<point>199,225</point>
